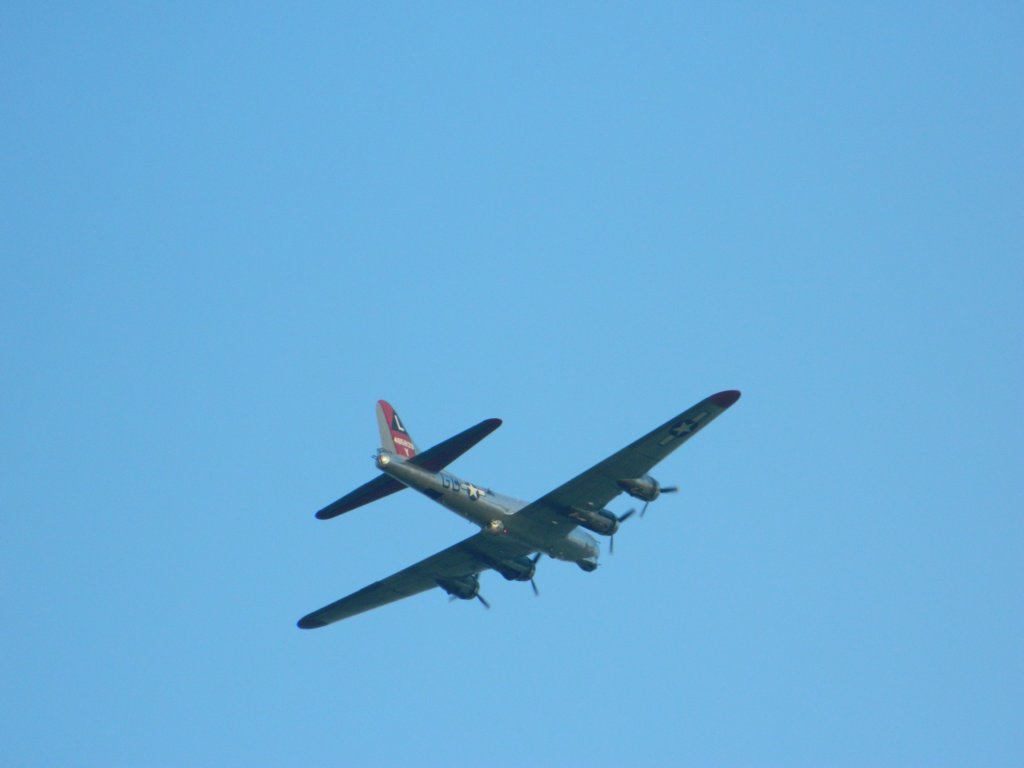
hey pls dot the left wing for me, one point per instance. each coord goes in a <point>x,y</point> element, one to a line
<point>467,558</point>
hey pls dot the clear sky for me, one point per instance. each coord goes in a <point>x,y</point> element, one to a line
<point>226,232</point>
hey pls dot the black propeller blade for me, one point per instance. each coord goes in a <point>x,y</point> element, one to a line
<point>622,518</point>
<point>536,559</point>
<point>453,598</point>
<point>670,489</point>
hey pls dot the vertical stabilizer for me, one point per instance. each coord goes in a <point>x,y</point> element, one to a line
<point>393,436</point>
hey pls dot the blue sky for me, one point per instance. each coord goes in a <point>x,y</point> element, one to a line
<point>227,232</point>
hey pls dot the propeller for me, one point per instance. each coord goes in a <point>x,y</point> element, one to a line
<point>453,598</point>
<point>670,489</point>
<point>622,518</point>
<point>536,559</point>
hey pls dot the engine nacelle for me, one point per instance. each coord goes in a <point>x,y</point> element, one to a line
<point>465,588</point>
<point>520,569</point>
<point>597,520</point>
<point>645,488</point>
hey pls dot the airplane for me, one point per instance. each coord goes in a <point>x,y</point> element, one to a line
<point>513,534</point>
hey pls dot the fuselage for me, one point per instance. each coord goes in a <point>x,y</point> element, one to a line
<point>493,512</point>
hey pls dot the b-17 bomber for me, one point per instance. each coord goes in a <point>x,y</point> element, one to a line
<point>513,534</point>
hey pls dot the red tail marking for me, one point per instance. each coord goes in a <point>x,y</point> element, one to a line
<point>403,443</point>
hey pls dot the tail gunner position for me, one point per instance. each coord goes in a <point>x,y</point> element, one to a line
<point>510,530</point>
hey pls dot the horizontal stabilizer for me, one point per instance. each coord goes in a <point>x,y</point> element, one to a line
<point>441,455</point>
<point>433,459</point>
<point>378,488</point>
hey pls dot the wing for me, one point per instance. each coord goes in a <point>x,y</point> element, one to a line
<point>599,484</point>
<point>467,558</point>
<point>433,459</point>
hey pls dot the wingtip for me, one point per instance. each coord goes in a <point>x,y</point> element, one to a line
<point>724,399</point>
<point>307,622</point>
<point>330,511</point>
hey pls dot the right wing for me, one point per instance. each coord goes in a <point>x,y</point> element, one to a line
<point>467,558</point>
<point>599,484</point>
<point>433,459</point>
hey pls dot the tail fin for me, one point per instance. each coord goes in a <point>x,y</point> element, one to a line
<point>393,436</point>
